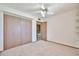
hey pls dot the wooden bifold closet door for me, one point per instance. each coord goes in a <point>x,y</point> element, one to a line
<point>17,31</point>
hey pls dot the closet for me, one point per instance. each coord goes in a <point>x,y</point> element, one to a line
<point>17,31</point>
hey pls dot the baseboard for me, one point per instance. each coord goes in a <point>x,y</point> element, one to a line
<point>63,44</point>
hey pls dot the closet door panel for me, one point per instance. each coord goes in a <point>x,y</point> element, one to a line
<point>18,31</point>
<point>26,27</point>
<point>10,31</point>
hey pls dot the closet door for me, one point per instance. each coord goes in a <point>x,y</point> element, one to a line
<point>26,31</point>
<point>17,31</point>
<point>10,31</point>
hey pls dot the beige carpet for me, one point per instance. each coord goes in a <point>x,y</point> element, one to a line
<point>41,48</point>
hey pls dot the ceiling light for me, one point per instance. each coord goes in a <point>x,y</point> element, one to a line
<point>43,13</point>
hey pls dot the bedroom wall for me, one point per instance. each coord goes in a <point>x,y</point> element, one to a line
<point>34,39</point>
<point>61,28</point>
<point>1,31</point>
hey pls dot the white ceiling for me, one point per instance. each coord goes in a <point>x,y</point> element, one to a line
<point>32,7</point>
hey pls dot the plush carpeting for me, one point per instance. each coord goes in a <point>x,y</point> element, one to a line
<point>41,48</point>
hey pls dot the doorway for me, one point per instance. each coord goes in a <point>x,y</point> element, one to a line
<point>41,30</point>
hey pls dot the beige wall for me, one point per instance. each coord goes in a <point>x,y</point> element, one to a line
<point>61,28</point>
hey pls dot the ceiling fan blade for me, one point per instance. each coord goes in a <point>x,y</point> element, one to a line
<point>42,7</point>
<point>50,13</point>
<point>55,7</point>
<point>35,12</point>
<point>32,10</point>
<point>43,14</point>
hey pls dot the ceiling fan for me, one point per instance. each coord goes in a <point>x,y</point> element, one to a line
<point>44,11</point>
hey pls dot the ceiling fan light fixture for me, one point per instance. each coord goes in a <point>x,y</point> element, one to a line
<point>43,13</point>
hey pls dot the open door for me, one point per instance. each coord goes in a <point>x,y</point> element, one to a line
<point>42,30</point>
